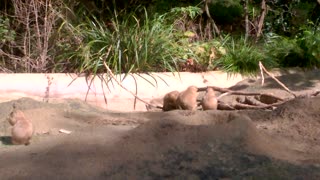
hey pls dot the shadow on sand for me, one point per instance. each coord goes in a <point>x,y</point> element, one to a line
<point>6,140</point>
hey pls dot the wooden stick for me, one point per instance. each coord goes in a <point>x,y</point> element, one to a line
<point>247,106</point>
<point>261,72</point>
<point>280,83</point>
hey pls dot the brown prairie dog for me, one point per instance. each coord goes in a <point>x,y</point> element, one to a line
<point>170,101</point>
<point>187,100</point>
<point>209,100</point>
<point>22,129</point>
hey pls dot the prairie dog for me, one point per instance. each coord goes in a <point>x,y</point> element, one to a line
<point>22,129</point>
<point>170,101</point>
<point>209,100</point>
<point>187,100</point>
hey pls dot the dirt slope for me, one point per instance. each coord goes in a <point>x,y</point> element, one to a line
<point>155,145</point>
<point>249,144</point>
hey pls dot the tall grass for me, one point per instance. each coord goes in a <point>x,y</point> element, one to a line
<point>128,45</point>
<point>242,57</point>
<point>302,51</point>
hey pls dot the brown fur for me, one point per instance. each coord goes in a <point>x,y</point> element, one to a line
<point>22,129</point>
<point>187,100</point>
<point>209,100</point>
<point>170,101</point>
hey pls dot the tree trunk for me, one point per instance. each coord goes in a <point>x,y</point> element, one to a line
<point>261,20</point>
<point>215,28</point>
<point>246,19</point>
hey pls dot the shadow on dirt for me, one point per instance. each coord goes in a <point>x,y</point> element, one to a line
<point>295,81</point>
<point>5,140</point>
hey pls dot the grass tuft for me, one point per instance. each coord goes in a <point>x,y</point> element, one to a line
<point>242,57</point>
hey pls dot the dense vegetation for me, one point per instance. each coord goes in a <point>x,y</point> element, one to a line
<point>158,35</point>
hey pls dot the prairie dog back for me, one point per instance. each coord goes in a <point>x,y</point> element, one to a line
<point>22,129</point>
<point>209,100</point>
<point>187,100</point>
<point>170,101</point>
<point>22,132</point>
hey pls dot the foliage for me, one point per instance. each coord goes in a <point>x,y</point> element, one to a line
<point>165,6</point>
<point>286,18</point>
<point>189,19</point>
<point>6,34</point>
<point>302,51</point>
<point>187,44</point>
<point>126,45</point>
<point>226,11</point>
<point>203,53</point>
<point>181,18</point>
<point>156,35</point>
<point>242,57</point>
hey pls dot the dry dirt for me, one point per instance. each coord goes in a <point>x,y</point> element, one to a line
<point>249,144</point>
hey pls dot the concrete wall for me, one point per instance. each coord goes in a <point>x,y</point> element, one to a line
<point>57,87</point>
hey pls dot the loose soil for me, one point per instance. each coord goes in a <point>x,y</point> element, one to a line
<point>250,144</point>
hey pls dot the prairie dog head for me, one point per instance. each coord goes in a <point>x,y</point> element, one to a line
<point>209,89</point>
<point>15,115</point>
<point>192,89</point>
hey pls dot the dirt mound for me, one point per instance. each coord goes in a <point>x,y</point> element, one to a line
<point>167,149</point>
<point>279,144</point>
<point>300,117</point>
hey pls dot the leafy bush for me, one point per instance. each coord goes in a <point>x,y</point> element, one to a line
<point>242,57</point>
<point>285,19</point>
<point>226,11</point>
<point>6,34</point>
<point>301,51</point>
<point>127,45</point>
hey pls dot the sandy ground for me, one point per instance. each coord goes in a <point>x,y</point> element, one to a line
<point>250,144</point>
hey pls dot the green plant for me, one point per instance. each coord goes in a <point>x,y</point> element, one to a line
<point>282,49</point>
<point>309,43</point>
<point>225,11</point>
<point>242,57</point>
<point>285,19</point>
<point>127,45</point>
<point>301,51</point>
<point>6,34</point>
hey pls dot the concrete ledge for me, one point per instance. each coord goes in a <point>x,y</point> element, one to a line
<point>57,87</point>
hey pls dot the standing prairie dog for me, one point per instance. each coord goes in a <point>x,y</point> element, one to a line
<point>209,100</point>
<point>187,100</point>
<point>22,129</point>
<point>170,101</point>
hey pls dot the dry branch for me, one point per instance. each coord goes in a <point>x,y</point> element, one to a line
<point>272,76</point>
<point>261,19</point>
<point>215,27</point>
